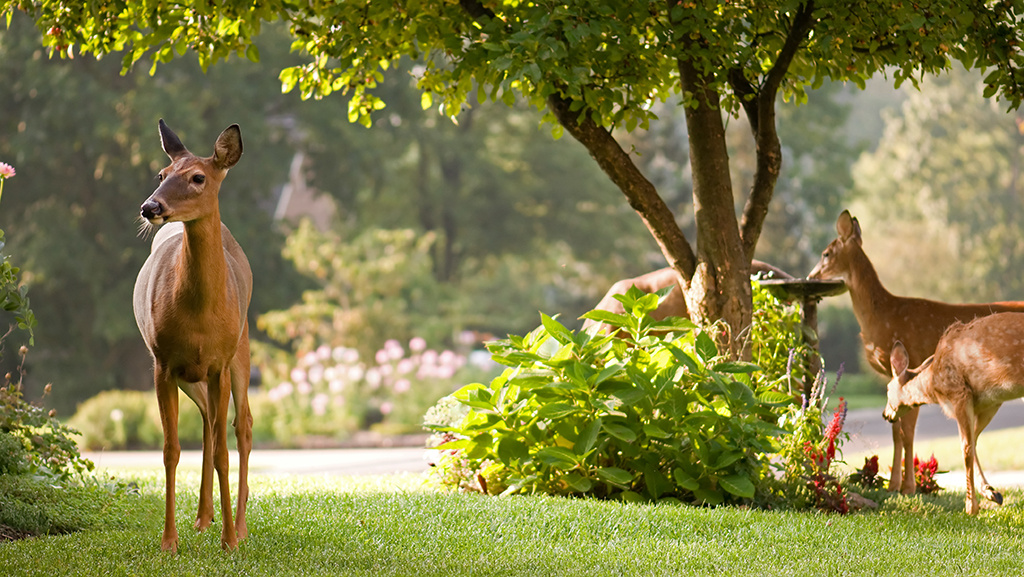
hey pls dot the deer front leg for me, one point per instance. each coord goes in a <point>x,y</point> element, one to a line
<point>167,400</point>
<point>243,428</point>
<point>908,426</point>
<point>896,478</point>
<point>219,396</point>
<point>204,517</point>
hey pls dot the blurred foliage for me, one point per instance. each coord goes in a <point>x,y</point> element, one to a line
<point>83,138</point>
<point>84,141</point>
<point>939,200</point>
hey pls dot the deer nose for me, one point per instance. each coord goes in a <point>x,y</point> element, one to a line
<point>151,209</point>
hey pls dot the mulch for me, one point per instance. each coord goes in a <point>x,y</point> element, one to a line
<point>11,534</point>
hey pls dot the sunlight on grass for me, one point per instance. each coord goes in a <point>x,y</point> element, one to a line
<point>400,525</point>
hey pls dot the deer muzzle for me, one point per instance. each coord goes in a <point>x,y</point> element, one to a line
<point>152,210</point>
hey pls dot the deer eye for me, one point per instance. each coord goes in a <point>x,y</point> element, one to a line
<point>199,179</point>
<point>159,177</point>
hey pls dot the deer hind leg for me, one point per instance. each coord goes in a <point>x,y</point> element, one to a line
<point>219,395</point>
<point>243,428</point>
<point>167,400</point>
<point>987,491</point>
<point>966,423</point>
<point>197,392</point>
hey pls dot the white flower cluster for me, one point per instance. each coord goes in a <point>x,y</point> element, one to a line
<point>329,376</point>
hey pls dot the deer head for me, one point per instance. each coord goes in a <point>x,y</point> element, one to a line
<point>190,185</point>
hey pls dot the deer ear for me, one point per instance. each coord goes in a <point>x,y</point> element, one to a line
<point>228,148</point>
<point>899,360</point>
<point>170,142</point>
<point>848,227</point>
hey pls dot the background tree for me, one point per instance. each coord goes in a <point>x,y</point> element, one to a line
<point>594,68</point>
<point>507,235</point>
<point>939,199</point>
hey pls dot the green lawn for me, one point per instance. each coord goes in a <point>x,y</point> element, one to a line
<point>395,525</point>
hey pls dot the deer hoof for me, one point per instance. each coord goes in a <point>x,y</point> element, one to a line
<point>993,495</point>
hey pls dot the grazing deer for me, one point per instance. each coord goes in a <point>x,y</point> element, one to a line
<point>976,368</point>
<point>191,300</point>
<point>674,305</point>
<point>885,319</point>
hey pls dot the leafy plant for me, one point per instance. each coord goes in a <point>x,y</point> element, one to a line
<point>657,415</point>
<point>48,446</point>
<point>867,476</point>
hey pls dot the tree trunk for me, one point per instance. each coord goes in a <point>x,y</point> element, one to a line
<point>720,288</point>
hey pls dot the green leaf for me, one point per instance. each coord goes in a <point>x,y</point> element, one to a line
<point>510,450</point>
<point>684,480</point>
<point>614,319</point>
<point>556,329</point>
<point>578,482</point>
<point>685,359</point>
<point>615,476</point>
<point>706,347</point>
<point>588,437</point>
<point>621,432</point>
<point>775,397</point>
<point>739,485</point>
<point>554,411</point>
<point>726,459</point>
<point>652,430</point>
<point>557,457</point>
<point>737,367</point>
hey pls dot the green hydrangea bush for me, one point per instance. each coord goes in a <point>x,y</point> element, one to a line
<point>658,414</point>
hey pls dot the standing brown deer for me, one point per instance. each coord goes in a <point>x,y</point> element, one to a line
<point>885,319</point>
<point>191,300</point>
<point>976,368</point>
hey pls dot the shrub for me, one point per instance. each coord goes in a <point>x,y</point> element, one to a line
<point>47,447</point>
<point>333,392</point>
<point>646,417</point>
<point>119,420</point>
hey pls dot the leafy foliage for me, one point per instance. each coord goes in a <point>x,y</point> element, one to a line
<point>867,476</point>
<point>46,445</point>
<point>610,58</point>
<point>659,414</point>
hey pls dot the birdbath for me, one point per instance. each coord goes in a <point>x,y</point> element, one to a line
<point>807,292</point>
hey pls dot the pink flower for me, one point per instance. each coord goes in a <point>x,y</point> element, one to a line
<point>6,170</point>
<point>417,344</point>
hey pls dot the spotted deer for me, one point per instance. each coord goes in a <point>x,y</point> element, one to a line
<point>975,369</point>
<point>884,319</point>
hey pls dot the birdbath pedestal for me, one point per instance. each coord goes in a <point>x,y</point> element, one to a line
<point>807,292</point>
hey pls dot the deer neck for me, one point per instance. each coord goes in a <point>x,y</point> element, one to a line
<point>201,265</point>
<point>870,299</point>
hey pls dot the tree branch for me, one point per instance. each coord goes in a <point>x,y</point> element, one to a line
<point>769,150</point>
<point>639,191</point>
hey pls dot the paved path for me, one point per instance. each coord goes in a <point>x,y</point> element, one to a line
<point>306,462</point>
<point>868,432</point>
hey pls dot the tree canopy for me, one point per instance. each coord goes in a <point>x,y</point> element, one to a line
<point>595,68</point>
